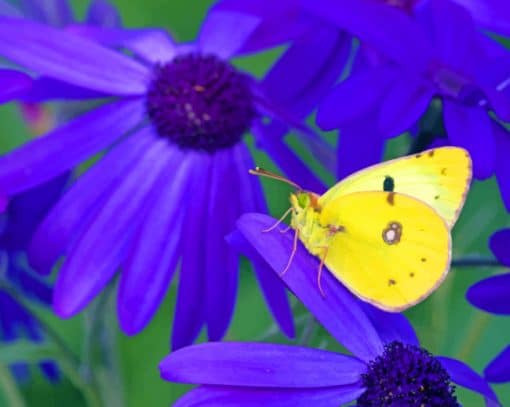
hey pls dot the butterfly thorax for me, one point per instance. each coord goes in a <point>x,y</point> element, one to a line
<point>305,220</point>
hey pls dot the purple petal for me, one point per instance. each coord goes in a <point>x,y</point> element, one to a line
<point>222,263</point>
<point>500,246</point>
<point>224,33</point>
<point>471,128</point>
<point>491,294</point>
<point>78,206</point>
<point>454,33</point>
<point>280,21</point>
<point>27,210</point>
<point>404,104</point>
<point>57,13</point>
<point>299,87</point>
<point>285,158</point>
<point>271,286</point>
<point>97,253</point>
<point>391,326</point>
<point>13,84</point>
<point>498,371</point>
<point>252,199</point>
<point>397,35</point>
<point>103,14</point>
<point>190,307</point>
<point>68,145</point>
<point>260,365</point>
<point>70,58</point>
<point>153,256</point>
<point>493,14</point>
<point>355,97</point>
<point>152,45</point>
<point>360,145</point>
<point>224,397</point>
<point>278,121</point>
<point>339,311</point>
<point>464,376</point>
<point>502,136</point>
<point>44,89</point>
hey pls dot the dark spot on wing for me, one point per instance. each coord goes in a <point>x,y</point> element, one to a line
<point>418,155</point>
<point>443,171</point>
<point>411,274</point>
<point>392,233</point>
<point>391,198</point>
<point>436,197</point>
<point>423,259</point>
<point>388,184</point>
<point>431,153</point>
<point>391,282</point>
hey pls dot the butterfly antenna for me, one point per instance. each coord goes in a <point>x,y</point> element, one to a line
<point>264,173</point>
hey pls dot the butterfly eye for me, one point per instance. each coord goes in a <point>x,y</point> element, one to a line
<point>303,200</point>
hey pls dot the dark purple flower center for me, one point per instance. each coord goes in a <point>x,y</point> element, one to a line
<point>406,376</point>
<point>200,102</point>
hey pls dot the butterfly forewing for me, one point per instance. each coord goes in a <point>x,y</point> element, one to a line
<point>439,177</point>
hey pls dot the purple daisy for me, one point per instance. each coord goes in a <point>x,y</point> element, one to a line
<point>387,366</point>
<point>19,221</point>
<point>491,295</point>
<point>406,62</point>
<point>174,170</point>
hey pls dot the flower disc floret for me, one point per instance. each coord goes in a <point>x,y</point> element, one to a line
<point>406,375</point>
<point>200,102</point>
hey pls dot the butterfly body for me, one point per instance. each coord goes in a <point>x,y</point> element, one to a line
<point>384,232</point>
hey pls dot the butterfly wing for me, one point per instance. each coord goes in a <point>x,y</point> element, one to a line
<point>389,249</point>
<point>439,177</point>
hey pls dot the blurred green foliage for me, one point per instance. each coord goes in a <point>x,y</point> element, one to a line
<point>446,324</point>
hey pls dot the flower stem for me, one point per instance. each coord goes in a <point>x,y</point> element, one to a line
<point>309,331</point>
<point>474,333</point>
<point>476,262</point>
<point>10,389</point>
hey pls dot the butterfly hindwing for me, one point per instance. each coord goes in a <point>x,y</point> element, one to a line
<point>390,249</point>
<point>439,177</point>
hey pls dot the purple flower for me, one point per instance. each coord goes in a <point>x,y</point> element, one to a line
<point>173,177</point>
<point>19,221</point>
<point>404,62</point>
<point>491,295</point>
<point>387,366</point>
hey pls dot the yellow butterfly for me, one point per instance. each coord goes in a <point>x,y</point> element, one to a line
<point>384,231</point>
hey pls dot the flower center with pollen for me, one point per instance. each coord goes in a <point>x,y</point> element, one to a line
<point>405,375</point>
<point>200,102</point>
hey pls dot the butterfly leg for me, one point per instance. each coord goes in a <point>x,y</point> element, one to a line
<point>292,254</point>
<point>332,230</point>
<point>285,230</point>
<point>319,274</point>
<point>279,221</point>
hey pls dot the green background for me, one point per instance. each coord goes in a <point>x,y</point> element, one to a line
<point>446,324</point>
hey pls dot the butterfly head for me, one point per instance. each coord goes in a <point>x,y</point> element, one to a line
<point>304,200</point>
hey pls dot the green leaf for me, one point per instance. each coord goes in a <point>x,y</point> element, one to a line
<point>26,351</point>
